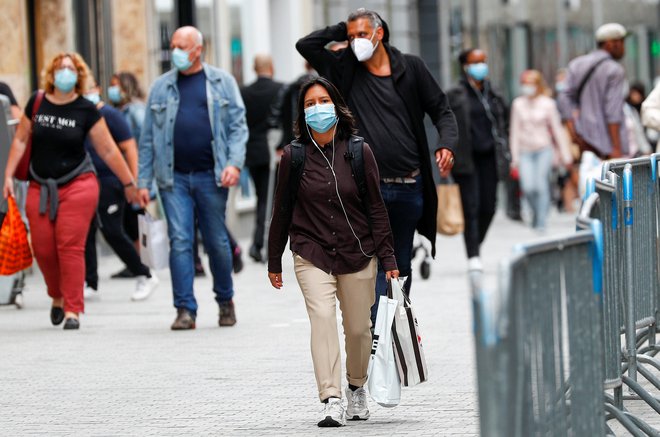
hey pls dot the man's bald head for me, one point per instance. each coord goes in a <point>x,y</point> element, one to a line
<point>189,33</point>
<point>263,65</point>
<point>190,40</point>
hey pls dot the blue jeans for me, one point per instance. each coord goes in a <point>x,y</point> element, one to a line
<point>197,194</point>
<point>404,203</point>
<point>535,168</point>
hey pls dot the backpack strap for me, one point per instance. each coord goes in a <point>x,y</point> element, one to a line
<point>356,156</point>
<point>295,175</point>
<point>585,80</point>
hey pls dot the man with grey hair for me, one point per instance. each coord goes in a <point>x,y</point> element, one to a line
<point>592,103</point>
<point>389,93</point>
<point>193,144</point>
<point>260,100</point>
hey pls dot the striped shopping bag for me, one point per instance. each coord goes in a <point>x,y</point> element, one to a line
<point>15,254</point>
<point>407,340</point>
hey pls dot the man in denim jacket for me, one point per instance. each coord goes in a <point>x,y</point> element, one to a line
<point>193,144</point>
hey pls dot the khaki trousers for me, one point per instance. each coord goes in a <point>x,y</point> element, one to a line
<point>356,295</point>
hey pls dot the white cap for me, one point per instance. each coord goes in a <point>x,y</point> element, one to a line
<point>610,31</point>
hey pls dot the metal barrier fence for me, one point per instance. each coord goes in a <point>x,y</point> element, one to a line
<point>536,340</point>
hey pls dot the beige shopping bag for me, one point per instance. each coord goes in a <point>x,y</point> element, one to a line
<point>450,209</point>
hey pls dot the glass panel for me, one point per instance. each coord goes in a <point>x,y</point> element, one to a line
<point>165,25</point>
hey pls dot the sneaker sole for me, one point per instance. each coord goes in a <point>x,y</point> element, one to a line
<point>357,417</point>
<point>329,422</point>
<point>184,329</point>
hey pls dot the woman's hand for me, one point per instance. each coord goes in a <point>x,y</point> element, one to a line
<point>276,279</point>
<point>391,274</point>
<point>143,197</point>
<point>131,193</point>
<point>8,189</point>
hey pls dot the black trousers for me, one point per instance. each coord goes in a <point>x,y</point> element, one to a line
<point>260,175</point>
<point>479,197</point>
<point>110,220</point>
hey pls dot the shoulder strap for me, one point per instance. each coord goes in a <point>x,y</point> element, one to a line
<point>585,80</point>
<point>355,145</point>
<point>297,166</point>
<point>37,102</point>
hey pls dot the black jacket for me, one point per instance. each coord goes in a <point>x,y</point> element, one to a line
<point>259,98</point>
<point>418,89</point>
<point>460,104</point>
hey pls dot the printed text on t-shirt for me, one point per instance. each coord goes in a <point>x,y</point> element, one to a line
<point>54,122</point>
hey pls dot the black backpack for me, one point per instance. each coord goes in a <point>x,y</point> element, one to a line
<point>354,154</point>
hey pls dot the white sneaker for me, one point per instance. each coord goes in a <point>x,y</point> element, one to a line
<point>474,263</point>
<point>357,408</point>
<point>333,414</point>
<point>144,287</point>
<point>89,293</point>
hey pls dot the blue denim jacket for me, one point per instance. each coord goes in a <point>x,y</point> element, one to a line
<point>227,116</point>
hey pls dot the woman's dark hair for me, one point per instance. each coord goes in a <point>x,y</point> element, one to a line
<point>463,56</point>
<point>346,122</point>
<point>129,85</point>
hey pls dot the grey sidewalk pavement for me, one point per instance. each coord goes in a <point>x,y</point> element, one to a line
<point>126,373</point>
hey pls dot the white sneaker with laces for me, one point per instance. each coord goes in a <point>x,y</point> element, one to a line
<point>357,408</point>
<point>90,293</point>
<point>333,414</point>
<point>144,287</point>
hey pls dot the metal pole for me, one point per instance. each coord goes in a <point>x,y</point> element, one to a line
<point>444,47</point>
<point>475,22</point>
<point>631,345</point>
<point>562,33</point>
<point>597,9</point>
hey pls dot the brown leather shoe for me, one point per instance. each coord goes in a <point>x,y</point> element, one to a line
<point>184,320</point>
<point>227,314</point>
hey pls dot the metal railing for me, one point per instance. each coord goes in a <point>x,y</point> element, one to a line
<point>536,340</point>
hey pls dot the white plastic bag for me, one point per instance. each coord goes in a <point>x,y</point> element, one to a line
<point>154,244</point>
<point>383,382</point>
<point>590,167</point>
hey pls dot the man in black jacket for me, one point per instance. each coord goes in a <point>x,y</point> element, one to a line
<point>259,98</point>
<point>389,93</point>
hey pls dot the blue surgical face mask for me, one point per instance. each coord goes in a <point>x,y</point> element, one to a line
<point>321,117</point>
<point>478,71</point>
<point>114,93</point>
<point>93,97</point>
<point>180,59</point>
<point>65,79</point>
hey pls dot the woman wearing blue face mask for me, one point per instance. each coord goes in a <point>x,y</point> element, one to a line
<point>336,239</point>
<point>63,190</point>
<point>483,157</point>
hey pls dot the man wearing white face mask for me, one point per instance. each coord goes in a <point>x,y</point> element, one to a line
<point>193,144</point>
<point>390,93</point>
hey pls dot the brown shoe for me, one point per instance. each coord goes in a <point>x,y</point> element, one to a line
<point>227,314</point>
<point>184,320</point>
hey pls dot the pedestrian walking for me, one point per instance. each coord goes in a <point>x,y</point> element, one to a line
<point>260,99</point>
<point>126,94</point>
<point>63,190</point>
<point>112,204</point>
<point>537,143</point>
<point>483,158</point>
<point>336,235</point>
<point>390,93</point>
<point>193,145</point>
<point>592,103</point>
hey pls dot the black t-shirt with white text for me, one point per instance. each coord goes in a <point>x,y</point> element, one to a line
<point>58,135</point>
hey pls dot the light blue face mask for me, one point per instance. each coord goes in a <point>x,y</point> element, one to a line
<point>321,117</point>
<point>114,93</point>
<point>65,79</point>
<point>93,97</point>
<point>478,71</point>
<point>180,59</point>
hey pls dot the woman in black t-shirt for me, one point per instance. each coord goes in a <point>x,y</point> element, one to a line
<point>63,189</point>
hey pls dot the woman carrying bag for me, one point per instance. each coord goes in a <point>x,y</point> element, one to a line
<point>337,236</point>
<point>63,190</point>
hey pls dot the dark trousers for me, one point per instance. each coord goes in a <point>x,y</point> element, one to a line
<point>110,213</point>
<point>479,197</point>
<point>260,175</point>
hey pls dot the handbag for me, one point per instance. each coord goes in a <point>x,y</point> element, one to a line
<point>154,243</point>
<point>23,167</point>
<point>408,349</point>
<point>383,376</point>
<point>15,253</point>
<point>450,219</point>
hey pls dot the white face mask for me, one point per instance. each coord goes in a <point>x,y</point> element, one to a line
<point>363,47</point>
<point>528,90</point>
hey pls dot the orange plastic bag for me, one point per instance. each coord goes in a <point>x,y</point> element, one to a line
<point>15,254</point>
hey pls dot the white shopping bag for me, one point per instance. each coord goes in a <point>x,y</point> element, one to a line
<point>383,381</point>
<point>154,244</point>
<point>590,167</point>
<point>408,349</point>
